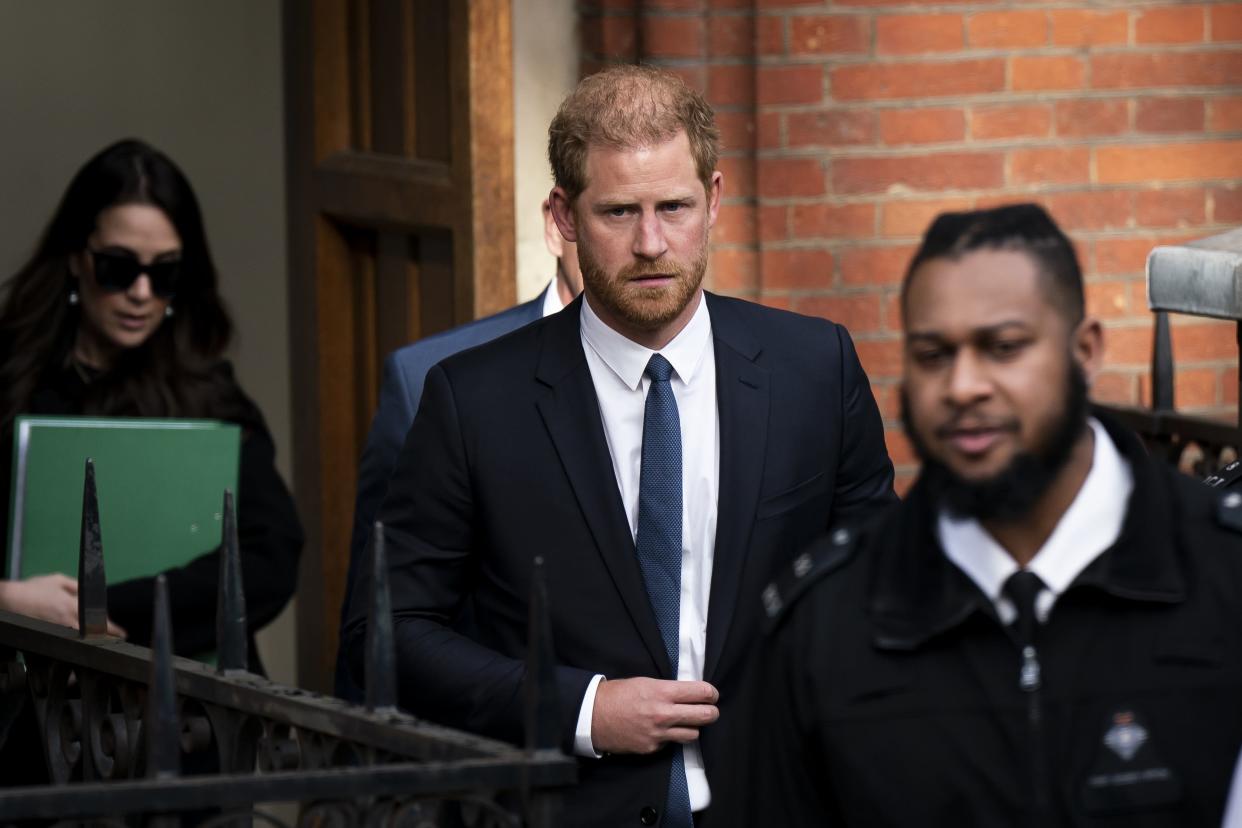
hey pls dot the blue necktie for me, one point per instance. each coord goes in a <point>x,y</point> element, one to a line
<point>659,544</point>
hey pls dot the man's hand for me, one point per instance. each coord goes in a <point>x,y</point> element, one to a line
<point>638,715</point>
<point>49,598</point>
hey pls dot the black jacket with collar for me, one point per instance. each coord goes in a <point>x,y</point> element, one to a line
<point>890,689</point>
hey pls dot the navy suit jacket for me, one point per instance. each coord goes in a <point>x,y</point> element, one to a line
<point>405,370</point>
<point>507,459</point>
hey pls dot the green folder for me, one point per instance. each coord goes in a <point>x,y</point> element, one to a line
<point>161,490</point>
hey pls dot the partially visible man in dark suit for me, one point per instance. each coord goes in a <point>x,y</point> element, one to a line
<point>663,449</point>
<point>404,372</point>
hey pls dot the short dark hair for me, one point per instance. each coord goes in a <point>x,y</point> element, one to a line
<point>1026,228</point>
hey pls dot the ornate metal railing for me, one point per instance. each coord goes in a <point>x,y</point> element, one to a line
<point>1201,278</point>
<point>129,732</point>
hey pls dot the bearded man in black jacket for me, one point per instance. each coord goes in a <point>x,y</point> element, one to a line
<point>1047,631</point>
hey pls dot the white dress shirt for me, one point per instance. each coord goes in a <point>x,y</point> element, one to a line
<point>617,367</point>
<point>1090,525</point>
<point>552,299</point>
<point>1233,807</point>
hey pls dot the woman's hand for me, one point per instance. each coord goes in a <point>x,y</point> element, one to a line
<point>47,597</point>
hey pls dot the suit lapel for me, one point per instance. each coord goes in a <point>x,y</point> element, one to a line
<point>570,410</point>
<point>742,399</point>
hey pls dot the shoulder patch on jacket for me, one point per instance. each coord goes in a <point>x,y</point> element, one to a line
<point>1229,511</point>
<point>1226,477</point>
<point>824,555</point>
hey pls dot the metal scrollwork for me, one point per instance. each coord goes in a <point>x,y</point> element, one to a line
<point>62,725</point>
<point>168,737</point>
<point>335,814</point>
<point>278,748</point>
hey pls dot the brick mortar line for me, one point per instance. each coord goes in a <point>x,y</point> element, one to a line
<point>859,59</point>
<point>906,59</point>
<point>1018,98</point>
<point>1084,52</point>
<point>964,7</point>
<point>837,245</point>
<point>1208,227</point>
<point>1140,322</point>
<point>844,199</point>
<point>812,293</point>
<point>1148,140</point>
<point>881,150</point>
<point>832,243</point>
<point>1198,365</point>
<point>968,6</point>
<point>990,98</point>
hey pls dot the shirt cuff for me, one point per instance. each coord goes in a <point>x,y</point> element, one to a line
<point>582,734</point>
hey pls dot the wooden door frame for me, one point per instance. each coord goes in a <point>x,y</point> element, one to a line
<point>326,186</point>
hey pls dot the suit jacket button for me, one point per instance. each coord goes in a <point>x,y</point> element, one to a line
<point>648,815</point>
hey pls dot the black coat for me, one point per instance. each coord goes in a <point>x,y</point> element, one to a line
<point>507,459</point>
<point>405,370</point>
<point>891,690</point>
<point>269,533</point>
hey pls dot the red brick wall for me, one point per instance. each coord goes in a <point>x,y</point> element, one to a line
<point>849,124</point>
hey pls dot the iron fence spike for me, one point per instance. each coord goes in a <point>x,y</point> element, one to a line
<point>232,646</point>
<point>163,728</point>
<point>381,657</point>
<point>92,582</point>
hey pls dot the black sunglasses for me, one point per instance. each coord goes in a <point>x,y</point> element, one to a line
<point>116,271</point>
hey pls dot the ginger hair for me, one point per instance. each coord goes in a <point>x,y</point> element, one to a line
<point>628,107</point>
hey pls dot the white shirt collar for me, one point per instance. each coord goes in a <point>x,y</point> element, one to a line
<point>552,299</point>
<point>1090,525</point>
<point>628,360</point>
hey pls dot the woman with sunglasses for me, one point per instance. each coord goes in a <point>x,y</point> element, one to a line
<point>117,314</point>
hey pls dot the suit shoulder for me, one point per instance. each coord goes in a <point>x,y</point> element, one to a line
<point>770,318</point>
<point>499,366</point>
<point>794,339</point>
<point>432,349</point>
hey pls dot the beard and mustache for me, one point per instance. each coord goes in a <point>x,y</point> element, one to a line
<point>643,308</point>
<point>1012,492</point>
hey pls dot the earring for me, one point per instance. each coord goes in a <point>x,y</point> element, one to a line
<point>168,312</point>
<point>73,297</point>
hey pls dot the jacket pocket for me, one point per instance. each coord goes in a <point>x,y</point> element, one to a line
<point>793,497</point>
<point>1190,652</point>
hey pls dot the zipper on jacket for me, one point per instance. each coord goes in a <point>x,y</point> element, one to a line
<point>1030,681</point>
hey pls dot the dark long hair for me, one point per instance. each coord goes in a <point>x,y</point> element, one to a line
<point>175,372</point>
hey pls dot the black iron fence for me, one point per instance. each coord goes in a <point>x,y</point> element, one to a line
<point>131,735</point>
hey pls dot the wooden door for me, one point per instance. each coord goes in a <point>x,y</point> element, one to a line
<point>400,184</point>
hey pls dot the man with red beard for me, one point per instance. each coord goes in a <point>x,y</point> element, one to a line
<point>664,450</point>
<point>1048,630</point>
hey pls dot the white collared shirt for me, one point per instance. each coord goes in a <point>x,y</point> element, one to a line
<point>1233,806</point>
<point>552,299</point>
<point>617,367</point>
<point>1090,525</point>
